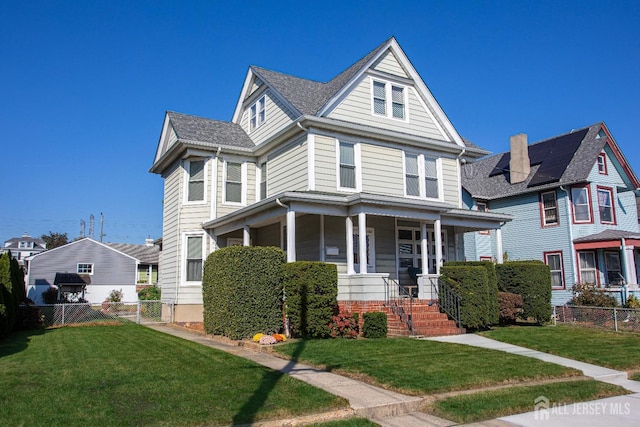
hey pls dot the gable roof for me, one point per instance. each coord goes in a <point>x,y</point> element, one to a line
<point>562,160</point>
<point>116,247</point>
<point>143,253</point>
<point>213,132</point>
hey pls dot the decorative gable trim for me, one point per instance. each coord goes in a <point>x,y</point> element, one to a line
<point>620,158</point>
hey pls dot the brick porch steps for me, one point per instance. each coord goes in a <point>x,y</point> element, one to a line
<point>427,321</point>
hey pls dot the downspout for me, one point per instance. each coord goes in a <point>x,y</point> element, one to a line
<point>302,127</point>
<point>571,247</point>
<point>460,162</point>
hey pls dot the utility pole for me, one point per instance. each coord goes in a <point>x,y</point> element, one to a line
<point>101,226</point>
<point>92,222</point>
<point>82,228</point>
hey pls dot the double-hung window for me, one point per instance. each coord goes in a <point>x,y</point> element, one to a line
<point>233,182</point>
<point>554,261</point>
<point>196,185</point>
<point>258,113</point>
<point>580,196</point>
<point>388,99</point>
<point>347,166</point>
<point>605,205</point>
<point>602,164</point>
<point>194,258</point>
<point>614,268</point>
<point>588,270</point>
<point>549,207</point>
<point>263,181</point>
<point>421,176</point>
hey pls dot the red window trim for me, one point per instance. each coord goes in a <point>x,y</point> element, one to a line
<point>573,213</point>
<point>595,257</point>
<point>546,261</point>
<point>486,258</point>
<point>604,162</point>
<point>613,206</point>
<point>541,207</point>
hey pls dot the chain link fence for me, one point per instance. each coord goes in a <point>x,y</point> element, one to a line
<point>141,312</point>
<point>618,319</point>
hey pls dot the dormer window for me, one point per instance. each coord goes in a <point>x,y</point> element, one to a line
<point>258,113</point>
<point>388,99</point>
<point>25,245</point>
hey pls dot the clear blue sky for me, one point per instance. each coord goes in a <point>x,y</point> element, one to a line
<point>84,84</point>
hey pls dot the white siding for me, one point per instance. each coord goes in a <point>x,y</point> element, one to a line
<point>277,116</point>
<point>382,170</point>
<point>388,63</point>
<point>356,108</point>
<point>168,271</point>
<point>287,168</point>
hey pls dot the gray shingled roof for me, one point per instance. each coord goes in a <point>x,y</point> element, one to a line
<point>608,235</point>
<point>480,180</point>
<point>143,253</point>
<point>214,132</point>
<point>309,96</point>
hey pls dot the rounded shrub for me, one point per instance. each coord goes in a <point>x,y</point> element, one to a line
<point>375,324</point>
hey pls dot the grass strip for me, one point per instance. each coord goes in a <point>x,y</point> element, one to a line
<point>518,399</point>
<point>576,342</point>
<point>130,375</point>
<point>349,422</point>
<point>421,367</point>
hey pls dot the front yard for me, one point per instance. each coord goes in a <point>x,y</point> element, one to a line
<point>130,375</point>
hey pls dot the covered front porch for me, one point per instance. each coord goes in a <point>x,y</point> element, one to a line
<point>376,242</point>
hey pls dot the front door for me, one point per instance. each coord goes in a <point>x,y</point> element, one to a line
<point>410,252</point>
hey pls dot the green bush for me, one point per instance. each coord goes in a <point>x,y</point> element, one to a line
<point>311,290</point>
<point>510,307</point>
<point>50,296</point>
<point>17,282</point>
<point>472,284</point>
<point>29,317</point>
<point>532,281</point>
<point>375,324</point>
<point>632,302</point>
<point>7,303</point>
<point>493,307</point>
<point>149,293</point>
<point>242,291</point>
<point>115,295</point>
<point>590,295</point>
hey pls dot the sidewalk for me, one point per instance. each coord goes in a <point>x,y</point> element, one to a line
<point>618,410</point>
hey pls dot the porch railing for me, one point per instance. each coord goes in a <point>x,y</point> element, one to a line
<point>400,300</point>
<point>448,299</point>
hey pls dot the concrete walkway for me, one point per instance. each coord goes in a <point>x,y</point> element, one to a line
<point>390,409</point>
<point>618,410</point>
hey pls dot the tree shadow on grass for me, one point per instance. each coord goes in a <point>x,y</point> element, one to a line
<point>18,341</point>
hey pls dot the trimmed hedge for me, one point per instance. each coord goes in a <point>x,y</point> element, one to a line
<point>375,324</point>
<point>242,291</point>
<point>472,284</point>
<point>493,315</point>
<point>531,280</point>
<point>311,290</point>
<point>7,304</point>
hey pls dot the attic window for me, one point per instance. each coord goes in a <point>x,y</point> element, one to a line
<point>25,245</point>
<point>85,268</point>
<point>602,164</point>
<point>601,134</point>
<point>388,99</point>
<point>258,113</point>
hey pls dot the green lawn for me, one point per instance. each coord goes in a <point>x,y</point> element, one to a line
<point>421,367</point>
<point>617,350</point>
<point>130,375</point>
<point>514,400</point>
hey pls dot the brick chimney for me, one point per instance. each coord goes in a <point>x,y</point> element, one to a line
<point>519,165</point>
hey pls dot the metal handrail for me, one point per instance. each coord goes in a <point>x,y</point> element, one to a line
<point>449,300</point>
<point>396,298</point>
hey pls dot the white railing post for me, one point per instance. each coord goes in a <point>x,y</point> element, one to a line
<point>615,319</point>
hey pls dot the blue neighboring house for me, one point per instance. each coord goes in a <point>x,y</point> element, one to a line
<point>573,200</point>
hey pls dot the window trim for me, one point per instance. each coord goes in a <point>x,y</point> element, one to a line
<point>187,180</point>
<point>546,261</point>
<point>263,179</point>
<point>586,187</point>
<point>606,265</point>
<point>243,182</point>
<point>422,175</point>
<point>486,209</point>
<point>543,216</point>
<point>258,113</point>
<point>602,167</point>
<point>185,254</point>
<point>357,166</point>
<point>388,99</point>
<point>612,206</point>
<point>90,273</point>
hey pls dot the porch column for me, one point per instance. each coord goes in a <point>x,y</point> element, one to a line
<point>437,237</point>
<point>424,249</point>
<point>362,242</point>
<point>246,236</point>
<point>349,237</point>
<point>626,270</point>
<point>291,236</point>
<point>499,254</point>
<point>321,239</point>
